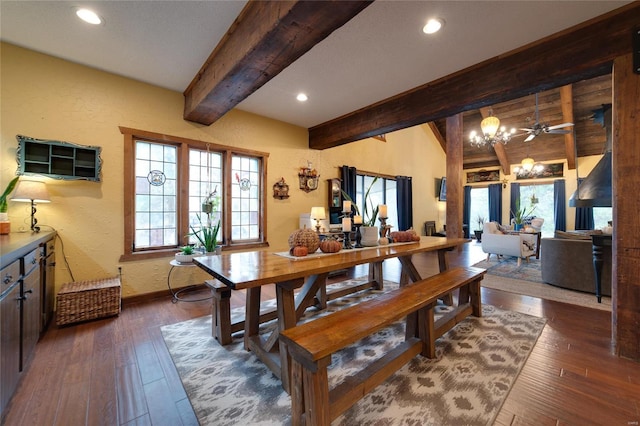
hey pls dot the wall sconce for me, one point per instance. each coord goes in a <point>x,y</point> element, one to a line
<point>505,181</point>
<point>318,214</point>
<point>34,192</point>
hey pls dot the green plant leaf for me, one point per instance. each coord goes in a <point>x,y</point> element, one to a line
<point>3,198</point>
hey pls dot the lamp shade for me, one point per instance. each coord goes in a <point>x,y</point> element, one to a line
<point>527,163</point>
<point>31,190</point>
<point>490,125</point>
<point>318,213</point>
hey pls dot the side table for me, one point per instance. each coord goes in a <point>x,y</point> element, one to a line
<point>598,241</point>
<point>175,264</point>
<point>538,239</point>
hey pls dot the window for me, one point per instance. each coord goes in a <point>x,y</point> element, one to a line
<point>383,191</point>
<point>175,178</point>
<point>602,216</point>
<point>540,196</point>
<point>479,207</point>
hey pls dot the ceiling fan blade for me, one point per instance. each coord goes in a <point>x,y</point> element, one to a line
<point>558,126</point>
<point>528,130</point>
<point>530,137</point>
<point>558,132</point>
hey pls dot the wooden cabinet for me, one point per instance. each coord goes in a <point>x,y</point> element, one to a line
<point>9,332</point>
<point>31,305</point>
<point>21,304</point>
<point>60,160</point>
<point>47,279</point>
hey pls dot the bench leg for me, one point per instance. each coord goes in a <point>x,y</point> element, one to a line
<point>316,395</point>
<point>426,331</point>
<point>297,394</point>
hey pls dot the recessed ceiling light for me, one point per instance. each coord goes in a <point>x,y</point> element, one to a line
<point>433,26</point>
<point>89,16</point>
<point>302,97</point>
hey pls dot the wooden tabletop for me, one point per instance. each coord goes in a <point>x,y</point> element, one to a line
<point>256,268</point>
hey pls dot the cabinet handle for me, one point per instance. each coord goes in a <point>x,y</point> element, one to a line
<point>7,279</point>
<point>34,261</point>
<point>52,264</point>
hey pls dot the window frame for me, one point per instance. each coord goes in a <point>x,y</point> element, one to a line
<point>183,146</point>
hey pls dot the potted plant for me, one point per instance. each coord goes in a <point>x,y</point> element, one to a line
<point>185,255</point>
<point>520,214</point>
<point>478,231</point>
<point>206,233</point>
<point>369,229</point>
<point>4,217</point>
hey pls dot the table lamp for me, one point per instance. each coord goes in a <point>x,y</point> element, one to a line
<point>34,192</point>
<point>318,214</point>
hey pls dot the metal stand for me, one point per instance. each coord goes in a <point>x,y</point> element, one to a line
<point>176,294</point>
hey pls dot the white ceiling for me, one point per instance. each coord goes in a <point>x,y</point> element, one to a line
<point>378,54</point>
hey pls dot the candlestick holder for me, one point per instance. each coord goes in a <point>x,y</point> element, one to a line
<point>346,244</point>
<point>347,232</point>
<point>358,236</point>
<point>383,225</point>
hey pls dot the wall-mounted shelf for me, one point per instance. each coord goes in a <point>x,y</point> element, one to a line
<point>59,160</point>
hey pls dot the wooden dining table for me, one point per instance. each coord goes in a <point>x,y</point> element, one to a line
<point>299,281</point>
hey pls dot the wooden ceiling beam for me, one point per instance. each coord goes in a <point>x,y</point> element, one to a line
<point>265,38</point>
<point>583,51</point>
<point>566,102</point>
<point>436,132</point>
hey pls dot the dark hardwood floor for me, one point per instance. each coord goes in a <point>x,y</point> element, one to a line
<point>117,371</point>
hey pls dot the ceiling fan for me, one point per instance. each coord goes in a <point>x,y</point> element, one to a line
<point>539,128</point>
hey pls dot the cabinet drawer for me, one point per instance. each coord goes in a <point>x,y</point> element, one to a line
<point>9,275</point>
<point>31,260</point>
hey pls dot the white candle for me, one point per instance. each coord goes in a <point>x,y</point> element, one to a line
<point>357,219</point>
<point>346,224</point>
<point>346,206</point>
<point>382,210</point>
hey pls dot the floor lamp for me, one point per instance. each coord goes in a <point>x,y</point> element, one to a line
<point>34,192</point>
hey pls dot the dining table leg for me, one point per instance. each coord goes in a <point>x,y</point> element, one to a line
<point>252,315</point>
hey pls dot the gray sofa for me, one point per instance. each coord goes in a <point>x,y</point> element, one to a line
<point>568,263</point>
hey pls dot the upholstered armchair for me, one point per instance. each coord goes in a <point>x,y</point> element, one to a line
<point>494,241</point>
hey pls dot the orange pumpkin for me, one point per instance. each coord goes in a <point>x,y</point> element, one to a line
<point>299,251</point>
<point>330,245</point>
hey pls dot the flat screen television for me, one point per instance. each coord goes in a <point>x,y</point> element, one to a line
<point>442,194</point>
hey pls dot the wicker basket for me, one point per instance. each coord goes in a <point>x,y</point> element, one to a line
<point>87,300</point>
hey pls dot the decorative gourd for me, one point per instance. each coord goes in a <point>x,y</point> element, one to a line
<point>405,236</point>
<point>304,237</point>
<point>330,245</point>
<point>299,251</point>
<point>383,241</point>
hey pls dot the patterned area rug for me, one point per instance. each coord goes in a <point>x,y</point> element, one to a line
<point>507,266</point>
<point>526,279</point>
<point>477,363</point>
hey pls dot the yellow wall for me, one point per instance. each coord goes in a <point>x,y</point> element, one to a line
<point>49,98</point>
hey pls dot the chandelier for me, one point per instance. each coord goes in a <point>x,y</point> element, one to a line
<point>528,166</point>
<point>491,133</point>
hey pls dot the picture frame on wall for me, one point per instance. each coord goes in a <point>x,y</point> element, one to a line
<point>442,194</point>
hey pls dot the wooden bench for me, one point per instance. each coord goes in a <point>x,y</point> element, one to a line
<point>311,344</point>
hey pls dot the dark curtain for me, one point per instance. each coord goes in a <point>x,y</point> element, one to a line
<point>495,202</point>
<point>466,210</point>
<point>584,215</point>
<point>349,181</point>
<point>559,206</point>
<point>405,202</point>
<point>515,199</point>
